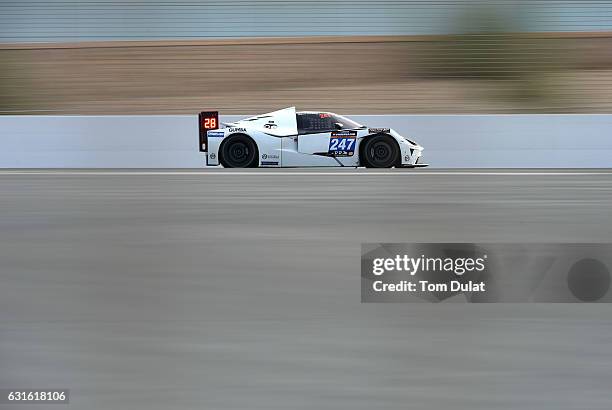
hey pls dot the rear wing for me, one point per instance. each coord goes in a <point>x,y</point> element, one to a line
<point>207,121</point>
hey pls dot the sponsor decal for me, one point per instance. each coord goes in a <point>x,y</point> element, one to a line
<point>269,163</point>
<point>344,133</point>
<point>237,130</point>
<point>342,143</point>
<point>269,156</point>
<point>270,126</point>
<point>212,156</point>
<point>407,158</point>
<point>378,130</point>
<point>215,134</point>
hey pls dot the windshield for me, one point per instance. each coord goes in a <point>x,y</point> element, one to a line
<point>347,124</point>
<point>311,122</point>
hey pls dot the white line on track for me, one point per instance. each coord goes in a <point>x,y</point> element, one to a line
<point>284,173</point>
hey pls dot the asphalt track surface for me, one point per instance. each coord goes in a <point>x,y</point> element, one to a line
<point>240,290</point>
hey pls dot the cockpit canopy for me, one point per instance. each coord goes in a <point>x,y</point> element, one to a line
<point>315,122</point>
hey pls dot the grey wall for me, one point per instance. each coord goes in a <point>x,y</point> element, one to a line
<point>62,20</point>
<point>462,141</point>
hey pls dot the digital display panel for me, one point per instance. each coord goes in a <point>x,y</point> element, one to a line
<point>209,120</point>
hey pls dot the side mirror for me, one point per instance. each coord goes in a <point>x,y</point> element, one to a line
<point>338,125</point>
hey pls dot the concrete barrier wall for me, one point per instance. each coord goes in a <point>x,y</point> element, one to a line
<point>453,141</point>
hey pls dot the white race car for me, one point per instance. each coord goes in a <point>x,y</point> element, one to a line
<point>287,138</point>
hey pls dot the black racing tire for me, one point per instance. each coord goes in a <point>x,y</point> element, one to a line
<point>239,151</point>
<point>380,151</point>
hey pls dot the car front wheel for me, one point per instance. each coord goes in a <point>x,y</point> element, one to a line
<point>380,151</point>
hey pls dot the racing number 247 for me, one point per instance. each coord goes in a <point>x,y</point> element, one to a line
<point>341,144</point>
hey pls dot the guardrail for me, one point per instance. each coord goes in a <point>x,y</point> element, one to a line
<point>450,141</point>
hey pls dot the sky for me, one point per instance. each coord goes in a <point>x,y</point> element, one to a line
<point>87,20</point>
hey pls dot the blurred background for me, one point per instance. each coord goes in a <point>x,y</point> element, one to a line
<point>249,56</point>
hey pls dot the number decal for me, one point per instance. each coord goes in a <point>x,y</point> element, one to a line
<point>342,143</point>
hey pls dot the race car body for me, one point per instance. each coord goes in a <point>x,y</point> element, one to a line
<point>287,138</point>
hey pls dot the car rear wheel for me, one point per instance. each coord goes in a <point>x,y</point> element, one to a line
<point>380,151</point>
<point>239,151</point>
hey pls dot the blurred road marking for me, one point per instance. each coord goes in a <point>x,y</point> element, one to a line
<point>302,173</point>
